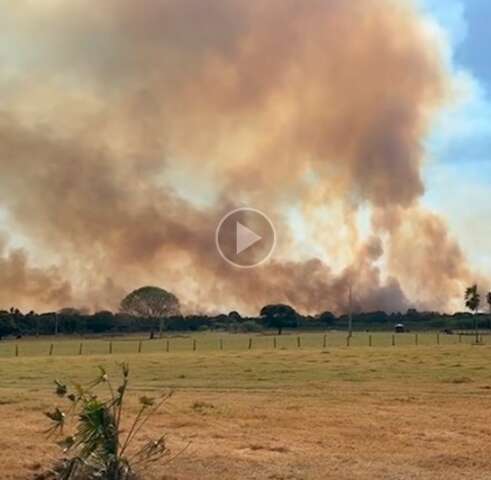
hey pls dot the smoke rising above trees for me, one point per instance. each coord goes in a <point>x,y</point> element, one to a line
<point>116,117</point>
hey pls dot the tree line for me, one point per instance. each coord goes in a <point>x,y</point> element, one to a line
<point>156,311</point>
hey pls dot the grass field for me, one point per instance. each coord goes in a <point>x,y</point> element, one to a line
<point>411,412</point>
<point>212,342</point>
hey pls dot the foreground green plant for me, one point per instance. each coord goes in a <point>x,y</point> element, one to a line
<point>99,448</point>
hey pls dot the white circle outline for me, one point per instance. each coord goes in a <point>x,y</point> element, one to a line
<point>222,221</point>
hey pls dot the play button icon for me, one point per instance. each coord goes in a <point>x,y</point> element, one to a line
<point>245,237</point>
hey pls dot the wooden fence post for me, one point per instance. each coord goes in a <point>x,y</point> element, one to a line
<point>80,348</point>
<point>369,340</point>
<point>51,347</point>
<point>110,348</point>
<point>167,346</point>
<point>324,342</point>
<point>221,343</point>
<point>416,340</point>
<point>299,342</point>
<point>274,343</point>
<point>140,346</point>
<point>194,345</point>
<point>16,350</point>
<point>250,343</point>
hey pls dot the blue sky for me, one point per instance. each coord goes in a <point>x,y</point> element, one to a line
<point>472,52</point>
<point>458,171</point>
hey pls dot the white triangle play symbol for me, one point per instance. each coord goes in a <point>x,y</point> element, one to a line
<point>245,238</point>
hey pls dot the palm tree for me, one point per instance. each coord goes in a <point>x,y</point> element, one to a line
<point>472,301</point>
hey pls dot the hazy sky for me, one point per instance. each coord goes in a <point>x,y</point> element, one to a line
<point>128,129</point>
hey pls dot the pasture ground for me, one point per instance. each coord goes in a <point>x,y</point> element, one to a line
<point>410,412</point>
<point>221,342</point>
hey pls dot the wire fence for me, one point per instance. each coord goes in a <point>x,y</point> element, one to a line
<point>230,343</point>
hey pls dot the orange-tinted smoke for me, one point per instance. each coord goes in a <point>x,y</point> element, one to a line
<point>270,104</point>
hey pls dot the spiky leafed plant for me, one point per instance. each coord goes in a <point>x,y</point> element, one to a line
<point>98,448</point>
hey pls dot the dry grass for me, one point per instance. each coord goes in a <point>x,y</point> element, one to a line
<point>380,413</point>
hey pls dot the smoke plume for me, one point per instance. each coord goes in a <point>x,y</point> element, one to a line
<point>129,129</point>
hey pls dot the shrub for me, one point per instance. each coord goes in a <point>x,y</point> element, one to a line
<point>98,449</point>
<point>249,326</point>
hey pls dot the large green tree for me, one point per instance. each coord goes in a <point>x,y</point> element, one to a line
<point>279,316</point>
<point>151,302</point>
